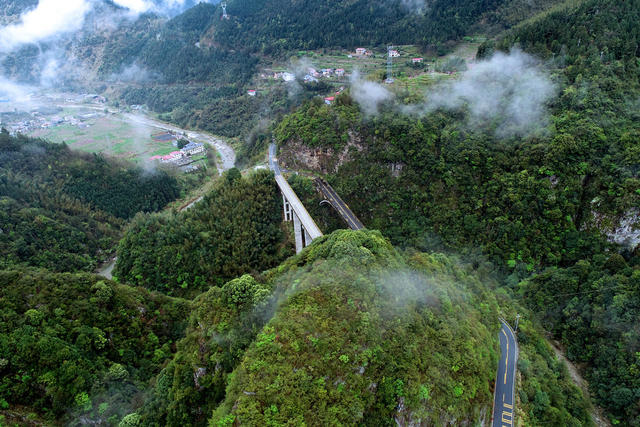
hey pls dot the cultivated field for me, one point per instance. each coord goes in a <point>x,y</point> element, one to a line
<point>111,134</point>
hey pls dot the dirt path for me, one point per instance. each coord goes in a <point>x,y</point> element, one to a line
<point>191,204</point>
<point>596,412</point>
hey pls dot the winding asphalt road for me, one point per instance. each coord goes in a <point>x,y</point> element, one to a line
<point>273,163</point>
<point>504,398</point>
<point>340,206</point>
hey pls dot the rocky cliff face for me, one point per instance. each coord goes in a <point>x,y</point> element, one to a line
<point>626,231</point>
<point>297,155</point>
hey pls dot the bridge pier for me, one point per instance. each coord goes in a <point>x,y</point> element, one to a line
<point>297,231</point>
<point>307,237</point>
<point>288,212</point>
<point>304,228</point>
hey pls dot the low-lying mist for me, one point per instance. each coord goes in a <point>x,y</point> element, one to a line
<point>51,25</point>
<point>509,92</point>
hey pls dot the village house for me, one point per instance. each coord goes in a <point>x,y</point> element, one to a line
<point>251,92</point>
<point>361,51</point>
<point>340,72</point>
<point>329,100</point>
<point>173,157</point>
<point>394,53</point>
<point>326,72</point>
<point>192,148</point>
<point>417,60</point>
<point>288,77</point>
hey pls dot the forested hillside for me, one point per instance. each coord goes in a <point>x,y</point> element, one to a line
<point>275,27</point>
<point>77,348</point>
<point>339,334</point>
<point>106,184</point>
<point>476,215</point>
<point>61,209</point>
<point>543,201</point>
<point>235,229</point>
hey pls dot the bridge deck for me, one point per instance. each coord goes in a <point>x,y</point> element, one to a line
<point>307,222</point>
<point>340,206</point>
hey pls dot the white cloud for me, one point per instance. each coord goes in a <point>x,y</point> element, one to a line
<point>509,90</point>
<point>369,95</point>
<point>165,7</point>
<point>49,19</point>
<point>136,6</point>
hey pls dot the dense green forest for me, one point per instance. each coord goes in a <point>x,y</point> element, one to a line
<point>356,329</point>
<point>150,43</point>
<point>527,204</point>
<point>115,187</point>
<point>61,209</point>
<point>338,334</point>
<point>277,27</point>
<point>235,229</point>
<point>77,348</point>
<point>49,229</point>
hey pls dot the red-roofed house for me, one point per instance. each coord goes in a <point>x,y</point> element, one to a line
<point>174,156</point>
<point>329,99</point>
<point>417,60</point>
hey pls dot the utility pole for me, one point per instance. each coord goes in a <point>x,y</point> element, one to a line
<point>224,10</point>
<point>389,65</point>
<point>517,319</point>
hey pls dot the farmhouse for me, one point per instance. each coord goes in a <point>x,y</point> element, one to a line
<point>417,60</point>
<point>340,72</point>
<point>173,157</point>
<point>329,100</point>
<point>251,92</point>
<point>361,51</point>
<point>192,148</point>
<point>394,53</point>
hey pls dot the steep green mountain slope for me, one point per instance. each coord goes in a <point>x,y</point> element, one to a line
<point>528,203</point>
<point>74,347</point>
<point>112,186</point>
<point>353,332</point>
<point>593,309</point>
<point>50,229</point>
<point>59,208</point>
<point>275,27</point>
<point>235,229</point>
<point>150,42</point>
